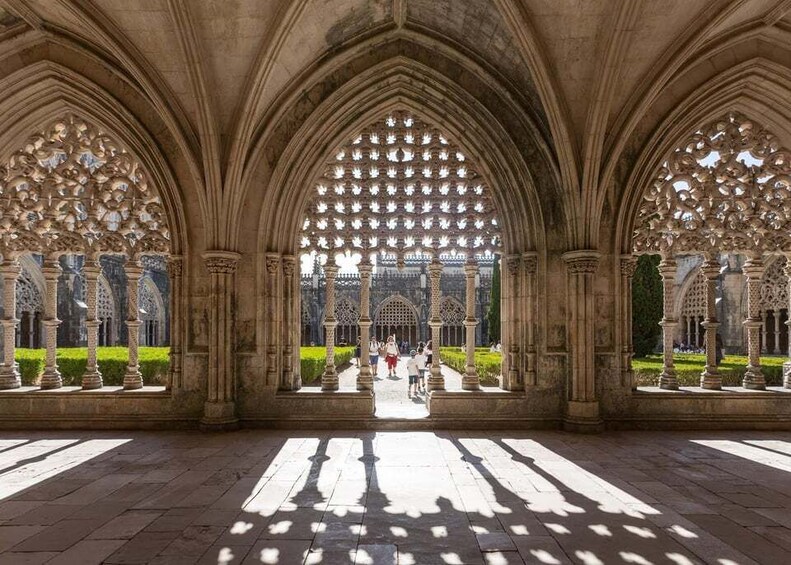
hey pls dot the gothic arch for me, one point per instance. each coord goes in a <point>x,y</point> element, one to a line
<point>396,314</point>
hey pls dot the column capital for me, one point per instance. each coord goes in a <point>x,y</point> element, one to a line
<point>667,268</point>
<point>435,267</point>
<point>330,270</point>
<point>582,261</point>
<point>92,269</point>
<point>175,265</point>
<point>530,261</point>
<point>10,269</point>
<point>272,262</point>
<point>512,263</point>
<point>471,269</point>
<point>221,262</point>
<point>628,264</point>
<point>365,268</point>
<point>753,268</point>
<point>289,264</point>
<point>711,269</point>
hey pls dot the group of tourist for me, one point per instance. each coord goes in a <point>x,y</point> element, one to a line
<point>417,364</point>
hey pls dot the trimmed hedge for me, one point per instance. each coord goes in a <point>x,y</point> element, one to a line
<point>154,364</point>
<point>312,361</point>
<point>488,365</point>
<point>689,366</point>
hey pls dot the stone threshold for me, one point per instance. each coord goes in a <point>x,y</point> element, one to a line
<point>726,391</point>
<point>111,391</point>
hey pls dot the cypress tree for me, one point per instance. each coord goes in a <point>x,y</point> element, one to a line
<point>646,305</point>
<point>493,315</point>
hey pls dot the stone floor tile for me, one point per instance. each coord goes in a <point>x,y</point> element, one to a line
<point>495,541</point>
<point>503,558</point>
<point>11,509</point>
<point>376,554</point>
<point>194,541</point>
<point>176,520</point>
<point>87,552</point>
<point>742,539</point>
<point>44,515</point>
<point>277,551</point>
<point>11,558</point>
<point>142,548</point>
<point>541,549</point>
<point>12,535</point>
<point>225,554</point>
<point>58,537</point>
<point>126,525</point>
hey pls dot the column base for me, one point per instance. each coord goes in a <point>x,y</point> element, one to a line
<point>435,382</point>
<point>787,374</point>
<point>710,380</point>
<point>92,381</point>
<point>365,383</point>
<point>583,417</point>
<point>219,417</point>
<point>133,380</point>
<point>754,378</point>
<point>329,382</point>
<point>10,377</point>
<point>50,380</point>
<point>668,381</point>
<point>470,382</point>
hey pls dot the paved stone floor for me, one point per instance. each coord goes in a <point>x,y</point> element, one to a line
<point>378,498</point>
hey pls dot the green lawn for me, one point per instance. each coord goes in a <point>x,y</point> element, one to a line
<point>154,363</point>
<point>689,366</point>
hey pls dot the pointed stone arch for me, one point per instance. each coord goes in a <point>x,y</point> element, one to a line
<point>396,315</point>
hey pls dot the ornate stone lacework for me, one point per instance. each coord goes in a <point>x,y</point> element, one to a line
<point>774,287</point>
<point>451,311</point>
<point>105,302</point>
<point>396,312</point>
<point>727,188</point>
<point>72,188</point>
<point>695,298</point>
<point>147,301</point>
<point>306,319</point>
<point>347,313</point>
<point>401,188</point>
<point>28,296</point>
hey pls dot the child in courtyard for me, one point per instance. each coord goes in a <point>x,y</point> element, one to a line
<point>413,371</point>
<point>421,367</point>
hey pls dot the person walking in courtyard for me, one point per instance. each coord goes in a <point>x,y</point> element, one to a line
<point>373,354</point>
<point>413,371</point>
<point>357,352</point>
<point>421,367</point>
<point>391,356</point>
<point>429,354</point>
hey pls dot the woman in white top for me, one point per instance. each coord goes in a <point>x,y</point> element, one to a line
<point>391,356</point>
<point>373,354</point>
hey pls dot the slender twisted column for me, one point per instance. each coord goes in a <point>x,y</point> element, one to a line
<point>289,269</point>
<point>329,380</point>
<point>175,270</point>
<point>435,380</point>
<point>219,410</point>
<point>272,268</point>
<point>530,262</point>
<point>787,365</point>
<point>710,377</point>
<point>514,380</point>
<point>9,371</point>
<point>92,378</point>
<point>667,269</point>
<point>628,267</point>
<point>470,380</point>
<point>365,379</point>
<point>133,378</point>
<point>753,376</point>
<point>51,377</point>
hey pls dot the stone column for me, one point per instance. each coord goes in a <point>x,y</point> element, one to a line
<point>435,380</point>
<point>776,316</point>
<point>513,380</point>
<point>219,410</point>
<point>133,379</point>
<point>329,380</point>
<point>9,371</point>
<point>753,376</point>
<point>175,269</point>
<point>470,380</point>
<point>787,364</point>
<point>582,411</point>
<point>289,270</point>
<point>764,346</point>
<point>51,377</point>
<point>667,269</point>
<point>688,321</point>
<point>710,378</point>
<point>530,262</point>
<point>92,378</point>
<point>365,380</point>
<point>272,269</point>
<point>628,267</point>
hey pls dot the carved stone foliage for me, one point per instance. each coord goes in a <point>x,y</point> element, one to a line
<point>727,188</point>
<point>401,188</point>
<point>452,312</point>
<point>774,287</point>
<point>695,298</point>
<point>72,188</point>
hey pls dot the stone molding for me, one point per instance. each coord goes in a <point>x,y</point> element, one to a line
<point>582,262</point>
<point>221,262</point>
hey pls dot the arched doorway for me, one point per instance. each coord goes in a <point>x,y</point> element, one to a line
<point>396,317</point>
